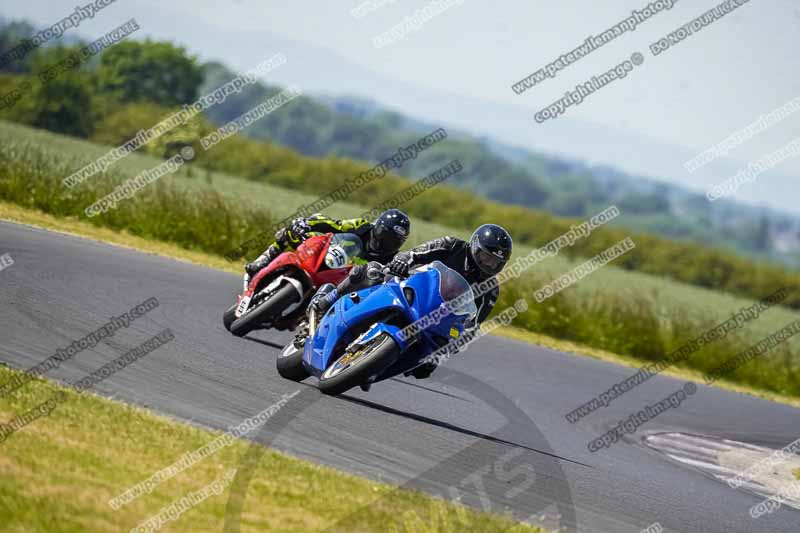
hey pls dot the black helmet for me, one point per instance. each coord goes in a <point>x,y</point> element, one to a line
<point>390,230</point>
<point>490,248</point>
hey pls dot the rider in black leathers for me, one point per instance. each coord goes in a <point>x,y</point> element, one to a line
<point>483,257</point>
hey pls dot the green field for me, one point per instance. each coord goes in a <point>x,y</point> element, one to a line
<point>624,312</point>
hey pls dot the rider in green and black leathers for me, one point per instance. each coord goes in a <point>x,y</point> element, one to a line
<point>382,239</point>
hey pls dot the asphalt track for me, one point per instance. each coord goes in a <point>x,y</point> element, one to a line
<point>489,426</point>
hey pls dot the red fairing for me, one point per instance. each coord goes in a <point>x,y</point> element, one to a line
<point>330,276</point>
<point>312,252</point>
<point>307,265</point>
<point>308,257</point>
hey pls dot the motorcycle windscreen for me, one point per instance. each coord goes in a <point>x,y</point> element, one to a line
<point>435,284</point>
<point>442,284</point>
<point>456,291</point>
<point>351,246</point>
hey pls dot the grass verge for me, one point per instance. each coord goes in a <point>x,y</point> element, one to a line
<point>80,228</point>
<point>60,471</point>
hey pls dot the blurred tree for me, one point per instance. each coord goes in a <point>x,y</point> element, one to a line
<point>11,35</point>
<point>762,239</point>
<point>62,105</point>
<point>643,203</point>
<point>125,122</point>
<point>158,72</point>
<point>567,204</point>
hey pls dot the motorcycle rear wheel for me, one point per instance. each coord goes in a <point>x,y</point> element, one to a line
<point>370,360</point>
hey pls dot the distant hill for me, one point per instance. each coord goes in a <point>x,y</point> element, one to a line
<point>322,125</point>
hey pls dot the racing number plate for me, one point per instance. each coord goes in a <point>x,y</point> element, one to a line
<point>242,306</point>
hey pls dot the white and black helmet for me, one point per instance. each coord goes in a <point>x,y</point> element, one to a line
<point>490,248</point>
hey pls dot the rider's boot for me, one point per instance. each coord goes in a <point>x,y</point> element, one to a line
<point>320,302</point>
<point>323,299</point>
<point>251,269</point>
<point>301,334</point>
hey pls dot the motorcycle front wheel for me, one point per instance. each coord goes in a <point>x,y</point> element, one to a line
<point>266,311</point>
<point>229,316</point>
<point>357,367</point>
<point>290,363</point>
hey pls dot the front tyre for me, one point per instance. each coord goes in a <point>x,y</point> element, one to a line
<point>229,316</point>
<point>356,368</point>
<point>266,311</point>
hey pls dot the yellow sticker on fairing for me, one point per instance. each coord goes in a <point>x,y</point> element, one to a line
<point>454,332</point>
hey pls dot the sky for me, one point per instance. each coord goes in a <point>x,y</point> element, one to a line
<point>458,68</point>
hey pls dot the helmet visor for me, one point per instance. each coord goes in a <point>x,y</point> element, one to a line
<point>390,239</point>
<point>488,262</point>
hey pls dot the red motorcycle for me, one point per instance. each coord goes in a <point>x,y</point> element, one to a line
<point>277,296</point>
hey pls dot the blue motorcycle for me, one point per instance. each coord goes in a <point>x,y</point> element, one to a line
<point>359,341</point>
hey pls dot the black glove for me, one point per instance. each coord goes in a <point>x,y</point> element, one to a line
<point>299,230</point>
<point>399,265</point>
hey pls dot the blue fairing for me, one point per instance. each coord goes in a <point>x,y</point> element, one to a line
<point>338,327</point>
<point>341,317</point>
